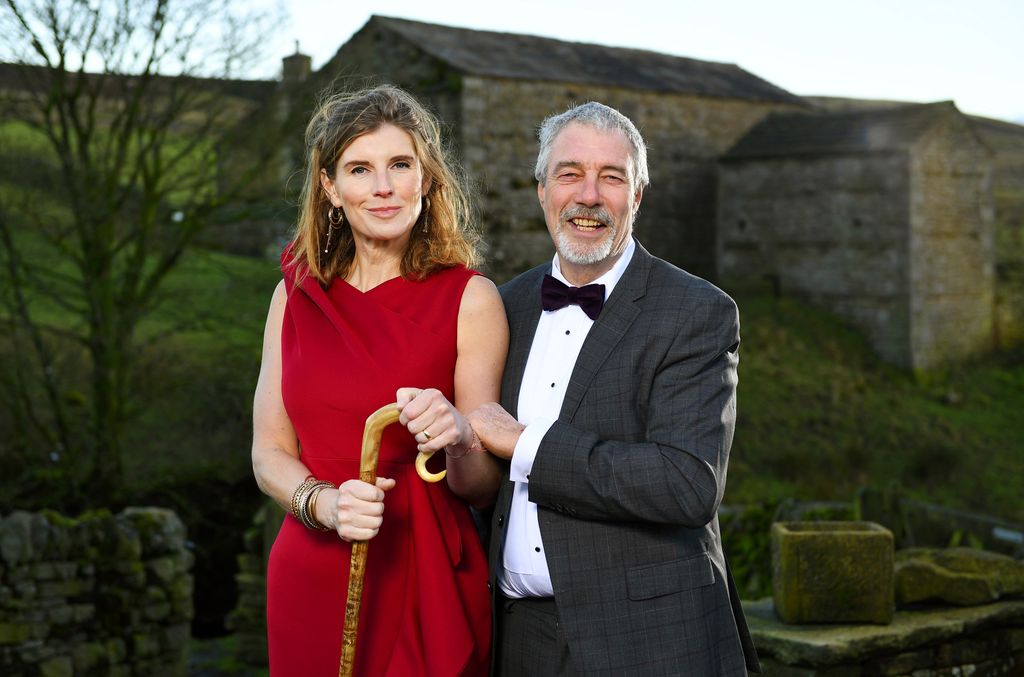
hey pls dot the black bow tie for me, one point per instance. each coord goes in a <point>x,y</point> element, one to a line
<point>554,295</point>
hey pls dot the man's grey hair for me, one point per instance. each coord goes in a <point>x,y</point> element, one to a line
<point>601,117</point>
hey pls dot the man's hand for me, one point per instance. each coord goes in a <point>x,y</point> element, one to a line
<point>498,430</point>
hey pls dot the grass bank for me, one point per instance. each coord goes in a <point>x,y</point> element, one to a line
<point>819,415</point>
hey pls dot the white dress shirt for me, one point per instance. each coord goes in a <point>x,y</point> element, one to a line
<point>556,346</point>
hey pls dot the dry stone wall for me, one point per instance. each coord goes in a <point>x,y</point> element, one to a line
<point>101,594</point>
<point>249,618</point>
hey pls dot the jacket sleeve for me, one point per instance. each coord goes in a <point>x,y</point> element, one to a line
<point>676,474</point>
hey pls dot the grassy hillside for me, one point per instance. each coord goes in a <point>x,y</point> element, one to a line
<point>819,415</point>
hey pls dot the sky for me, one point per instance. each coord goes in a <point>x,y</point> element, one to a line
<point>969,51</point>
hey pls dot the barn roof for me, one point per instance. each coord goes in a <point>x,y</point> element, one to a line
<point>29,77</point>
<point>848,131</point>
<point>528,57</point>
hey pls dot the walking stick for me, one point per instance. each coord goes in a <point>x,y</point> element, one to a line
<point>375,424</point>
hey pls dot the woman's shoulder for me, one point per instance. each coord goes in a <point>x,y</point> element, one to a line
<point>456,276</point>
<point>471,287</point>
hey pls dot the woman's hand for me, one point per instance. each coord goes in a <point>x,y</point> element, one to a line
<point>433,421</point>
<point>355,509</point>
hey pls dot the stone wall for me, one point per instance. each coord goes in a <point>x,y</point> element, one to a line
<point>493,125</point>
<point>832,229</point>
<point>1006,140</point>
<point>370,58</point>
<point>98,595</point>
<point>685,135</point>
<point>952,258</point>
<point>249,618</point>
<point>898,241</point>
<point>981,641</point>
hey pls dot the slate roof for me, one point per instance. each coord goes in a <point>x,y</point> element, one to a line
<point>528,57</point>
<point>851,131</point>
<point>22,76</point>
<point>984,124</point>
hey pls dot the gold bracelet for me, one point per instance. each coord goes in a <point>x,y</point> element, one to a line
<point>474,445</point>
<point>296,495</point>
<point>305,517</point>
<point>311,501</point>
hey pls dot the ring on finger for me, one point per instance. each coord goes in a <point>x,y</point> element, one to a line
<point>427,435</point>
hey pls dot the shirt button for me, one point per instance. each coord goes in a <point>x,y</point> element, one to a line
<point>566,332</point>
<point>527,475</point>
<point>536,549</point>
<point>552,385</point>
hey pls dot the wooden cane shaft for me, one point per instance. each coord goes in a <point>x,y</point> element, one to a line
<point>369,453</point>
<point>356,572</point>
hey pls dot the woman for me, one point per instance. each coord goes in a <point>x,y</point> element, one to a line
<point>377,297</point>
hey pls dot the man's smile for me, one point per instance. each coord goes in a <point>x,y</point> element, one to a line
<point>586,225</point>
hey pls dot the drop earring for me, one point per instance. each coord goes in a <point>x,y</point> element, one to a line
<point>335,217</point>
<point>426,214</point>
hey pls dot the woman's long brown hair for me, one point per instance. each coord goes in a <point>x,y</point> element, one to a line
<point>449,237</point>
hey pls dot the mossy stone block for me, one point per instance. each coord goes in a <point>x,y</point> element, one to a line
<point>832,572</point>
<point>58,666</point>
<point>960,576</point>
<point>14,633</point>
<point>89,656</point>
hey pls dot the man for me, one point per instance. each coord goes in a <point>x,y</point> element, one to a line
<point>606,557</point>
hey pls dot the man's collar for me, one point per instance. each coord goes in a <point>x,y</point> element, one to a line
<point>608,279</point>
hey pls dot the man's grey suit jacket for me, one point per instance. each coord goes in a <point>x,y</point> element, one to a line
<point>629,479</point>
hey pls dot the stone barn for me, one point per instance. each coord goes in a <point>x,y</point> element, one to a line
<point>1007,140</point>
<point>884,217</point>
<point>493,89</point>
<point>880,210</point>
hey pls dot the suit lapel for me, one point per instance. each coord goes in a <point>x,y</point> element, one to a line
<point>523,311</point>
<point>615,319</point>
<point>523,316</point>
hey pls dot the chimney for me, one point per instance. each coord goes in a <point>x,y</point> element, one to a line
<point>296,68</point>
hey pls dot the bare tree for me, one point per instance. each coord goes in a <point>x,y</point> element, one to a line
<point>123,112</point>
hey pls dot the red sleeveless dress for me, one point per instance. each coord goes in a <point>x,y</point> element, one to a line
<point>425,607</point>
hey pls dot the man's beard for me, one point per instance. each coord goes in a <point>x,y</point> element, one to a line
<point>585,253</point>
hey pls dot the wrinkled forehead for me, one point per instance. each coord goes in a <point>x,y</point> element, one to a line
<point>586,144</point>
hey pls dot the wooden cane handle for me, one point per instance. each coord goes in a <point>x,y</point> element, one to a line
<point>421,468</point>
<point>368,455</point>
<point>375,425</point>
<point>372,432</point>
